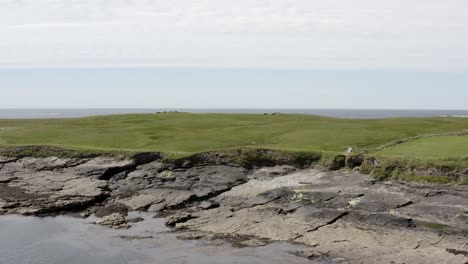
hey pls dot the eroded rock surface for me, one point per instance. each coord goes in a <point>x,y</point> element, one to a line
<point>158,189</point>
<point>344,214</point>
<point>340,214</point>
<point>116,221</point>
<point>48,185</point>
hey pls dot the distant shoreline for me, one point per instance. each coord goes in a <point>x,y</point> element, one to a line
<point>338,113</point>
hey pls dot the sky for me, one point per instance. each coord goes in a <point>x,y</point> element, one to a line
<point>234,54</point>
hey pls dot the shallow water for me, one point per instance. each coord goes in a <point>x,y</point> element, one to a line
<point>57,240</point>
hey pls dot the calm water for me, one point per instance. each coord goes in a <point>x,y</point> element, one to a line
<point>341,113</point>
<point>60,240</point>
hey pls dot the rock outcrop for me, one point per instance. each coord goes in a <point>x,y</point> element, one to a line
<point>47,185</point>
<point>116,221</point>
<point>341,213</point>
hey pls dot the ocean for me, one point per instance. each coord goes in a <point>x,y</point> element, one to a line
<point>338,113</point>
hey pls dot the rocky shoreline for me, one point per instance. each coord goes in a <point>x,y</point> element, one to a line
<point>341,213</point>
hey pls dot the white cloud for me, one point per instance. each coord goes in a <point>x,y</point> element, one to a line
<point>401,34</point>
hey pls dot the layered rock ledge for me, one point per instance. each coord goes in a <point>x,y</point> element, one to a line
<point>341,214</point>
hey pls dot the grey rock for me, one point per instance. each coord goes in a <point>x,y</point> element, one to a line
<point>341,214</point>
<point>208,205</point>
<point>142,201</point>
<point>135,220</point>
<point>271,172</point>
<point>191,236</point>
<point>155,208</point>
<point>49,185</point>
<point>98,167</point>
<point>102,211</point>
<point>175,219</point>
<point>116,221</point>
<point>252,243</point>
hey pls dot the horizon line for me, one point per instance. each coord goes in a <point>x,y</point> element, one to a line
<point>213,108</point>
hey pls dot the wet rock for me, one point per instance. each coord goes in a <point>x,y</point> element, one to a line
<point>86,214</point>
<point>179,218</point>
<point>253,243</point>
<point>191,236</point>
<point>102,211</point>
<point>116,221</point>
<point>310,254</point>
<point>135,237</point>
<point>135,220</point>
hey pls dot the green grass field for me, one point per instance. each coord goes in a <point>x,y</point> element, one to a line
<point>431,147</point>
<point>183,133</point>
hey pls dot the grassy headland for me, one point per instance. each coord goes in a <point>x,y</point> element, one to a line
<point>184,134</point>
<point>191,133</point>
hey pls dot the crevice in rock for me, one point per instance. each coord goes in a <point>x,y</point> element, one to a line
<point>179,219</point>
<point>70,165</point>
<point>404,205</point>
<point>438,241</point>
<point>197,199</point>
<point>457,252</point>
<point>341,241</point>
<point>8,160</point>
<point>8,180</point>
<point>418,245</point>
<point>73,207</point>
<point>331,222</point>
<point>140,159</point>
<point>111,172</point>
<point>263,203</point>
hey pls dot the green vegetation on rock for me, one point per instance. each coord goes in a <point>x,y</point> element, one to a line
<point>434,226</point>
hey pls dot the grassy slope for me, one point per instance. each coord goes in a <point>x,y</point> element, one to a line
<point>183,133</point>
<point>431,148</point>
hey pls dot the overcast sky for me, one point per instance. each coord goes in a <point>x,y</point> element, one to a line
<point>327,54</point>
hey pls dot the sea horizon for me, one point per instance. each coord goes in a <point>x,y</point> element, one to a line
<point>35,113</point>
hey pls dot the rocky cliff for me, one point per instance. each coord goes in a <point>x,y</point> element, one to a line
<point>338,213</point>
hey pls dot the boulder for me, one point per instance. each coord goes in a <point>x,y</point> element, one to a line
<point>116,221</point>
